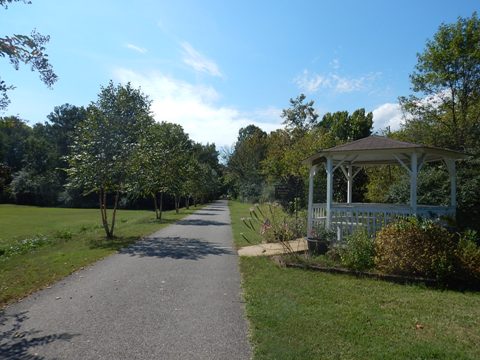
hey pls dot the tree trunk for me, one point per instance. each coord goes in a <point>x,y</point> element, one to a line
<point>115,204</point>
<point>177,203</point>
<point>187,202</point>
<point>102,200</point>
<point>160,207</point>
<point>155,203</point>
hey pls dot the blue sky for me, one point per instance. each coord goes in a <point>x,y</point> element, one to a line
<point>215,66</point>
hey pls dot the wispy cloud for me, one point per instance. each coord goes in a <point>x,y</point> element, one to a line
<point>387,115</point>
<point>195,107</point>
<point>198,61</point>
<point>335,64</point>
<point>136,48</point>
<point>312,82</point>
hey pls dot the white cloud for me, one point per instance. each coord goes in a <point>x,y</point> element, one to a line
<point>388,114</point>
<point>199,62</point>
<point>194,107</point>
<point>136,48</point>
<point>312,82</point>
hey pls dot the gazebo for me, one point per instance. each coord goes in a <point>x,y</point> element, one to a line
<point>350,158</point>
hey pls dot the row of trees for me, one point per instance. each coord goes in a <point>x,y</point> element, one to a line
<point>112,152</point>
<point>443,111</point>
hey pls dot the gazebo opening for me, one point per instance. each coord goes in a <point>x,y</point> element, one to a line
<point>350,158</point>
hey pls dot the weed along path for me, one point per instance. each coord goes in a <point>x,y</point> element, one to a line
<point>174,295</point>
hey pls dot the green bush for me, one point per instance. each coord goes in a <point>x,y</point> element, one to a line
<point>358,252</point>
<point>467,255</point>
<point>415,247</point>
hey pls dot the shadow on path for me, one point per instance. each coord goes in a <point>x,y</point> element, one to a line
<point>200,222</point>
<point>17,344</point>
<point>175,248</point>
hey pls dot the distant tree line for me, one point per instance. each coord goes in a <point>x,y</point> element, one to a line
<point>443,111</point>
<point>109,154</point>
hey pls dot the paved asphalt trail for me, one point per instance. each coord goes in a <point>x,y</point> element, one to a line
<point>175,295</point>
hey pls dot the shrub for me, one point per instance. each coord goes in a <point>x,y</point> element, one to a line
<point>415,247</point>
<point>467,255</point>
<point>358,252</point>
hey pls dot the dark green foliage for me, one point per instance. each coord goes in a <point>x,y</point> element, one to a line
<point>30,188</point>
<point>467,255</point>
<point>348,127</point>
<point>244,165</point>
<point>358,252</point>
<point>415,247</point>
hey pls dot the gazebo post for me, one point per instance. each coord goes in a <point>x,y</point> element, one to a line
<point>349,183</point>
<point>313,170</point>
<point>453,182</point>
<point>329,170</point>
<point>413,183</point>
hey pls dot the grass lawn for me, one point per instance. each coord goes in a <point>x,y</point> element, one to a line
<point>301,314</point>
<point>76,239</point>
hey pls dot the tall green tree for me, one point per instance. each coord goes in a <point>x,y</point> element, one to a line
<point>104,145</point>
<point>344,127</point>
<point>445,109</point>
<point>26,49</point>
<point>244,164</point>
<point>300,116</point>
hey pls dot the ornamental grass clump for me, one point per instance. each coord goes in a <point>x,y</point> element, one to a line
<point>415,247</point>
<point>273,224</point>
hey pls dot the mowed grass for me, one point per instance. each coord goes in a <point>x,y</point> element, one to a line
<point>76,240</point>
<point>301,314</point>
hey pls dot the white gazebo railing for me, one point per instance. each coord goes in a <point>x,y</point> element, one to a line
<point>346,218</point>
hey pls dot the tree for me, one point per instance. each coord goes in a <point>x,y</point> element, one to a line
<point>61,126</point>
<point>446,107</point>
<point>29,50</point>
<point>348,127</point>
<point>13,135</point>
<point>300,116</point>
<point>244,165</point>
<point>102,154</point>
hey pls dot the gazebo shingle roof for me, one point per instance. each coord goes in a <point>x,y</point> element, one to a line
<point>376,150</point>
<point>374,142</point>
